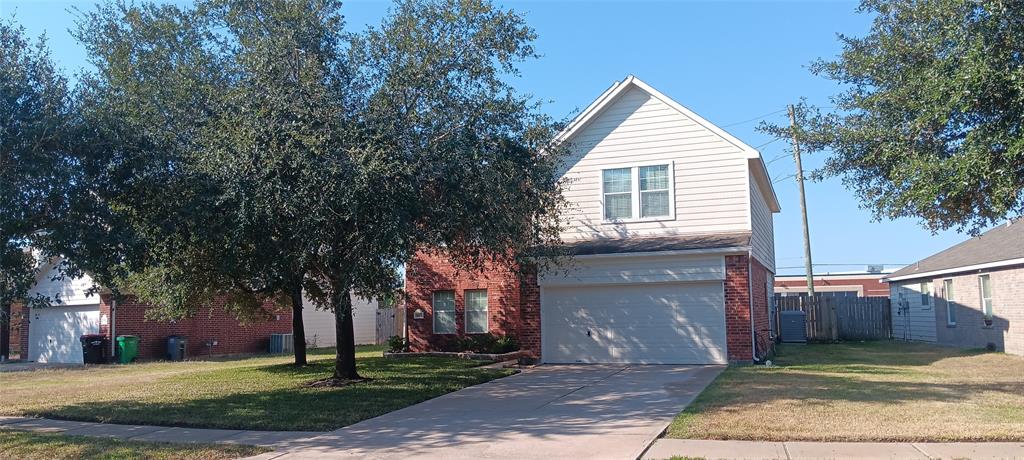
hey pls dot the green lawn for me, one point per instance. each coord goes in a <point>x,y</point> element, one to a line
<point>874,391</point>
<point>31,446</point>
<point>261,393</point>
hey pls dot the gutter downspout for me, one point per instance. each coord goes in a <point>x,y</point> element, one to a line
<point>113,331</point>
<point>750,299</point>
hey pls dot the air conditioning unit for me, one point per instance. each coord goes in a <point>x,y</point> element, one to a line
<point>281,343</point>
<point>793,326</point>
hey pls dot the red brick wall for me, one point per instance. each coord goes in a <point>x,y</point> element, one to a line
<point>19,334</point>
<point>737,308</point>
<point>868,286</point>
<point>513,304</point>
<point>209,324</point>
<point>760,288</point>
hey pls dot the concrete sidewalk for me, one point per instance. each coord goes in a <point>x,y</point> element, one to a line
<point>667,448</point>
<point>272,439</point>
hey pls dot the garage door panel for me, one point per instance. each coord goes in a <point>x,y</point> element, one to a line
<point>54,332</point>
<point>670,323</point>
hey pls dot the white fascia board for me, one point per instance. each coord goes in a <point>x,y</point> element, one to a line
<point>680,252</point>
<point>965,268</point>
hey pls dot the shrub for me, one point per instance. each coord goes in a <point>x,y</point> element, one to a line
<point>397,344</point>
<point>505,344</point>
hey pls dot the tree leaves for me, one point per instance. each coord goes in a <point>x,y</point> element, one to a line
<point>929,124</point>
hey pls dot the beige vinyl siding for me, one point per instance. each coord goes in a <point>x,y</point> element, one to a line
<point>319,324</point>
<point>762,238</point>
<point>711,186</point>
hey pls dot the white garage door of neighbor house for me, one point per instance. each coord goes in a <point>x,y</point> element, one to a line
<point>647,323</point>
<point>53,332</point>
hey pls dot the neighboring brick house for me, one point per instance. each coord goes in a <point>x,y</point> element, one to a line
<point>670,228</point>
<point>970,295</point>
<point>51,334</point>
<point>850,284</point>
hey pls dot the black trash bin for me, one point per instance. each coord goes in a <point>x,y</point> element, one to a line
<point>95,348</point>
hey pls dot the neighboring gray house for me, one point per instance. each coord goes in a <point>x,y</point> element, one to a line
<point>970,295</point>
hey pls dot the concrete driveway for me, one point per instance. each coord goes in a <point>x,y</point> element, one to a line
<point>549,412</point>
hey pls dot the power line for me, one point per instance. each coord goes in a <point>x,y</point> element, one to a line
<point>755,118</point>
<point>773,160</point>
<point>776,181</point>
<point>767,143</point>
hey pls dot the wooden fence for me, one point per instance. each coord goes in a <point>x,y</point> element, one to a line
<point>390,321</point>
<point>856,318</point>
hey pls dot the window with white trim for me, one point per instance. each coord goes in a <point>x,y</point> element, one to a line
<point>476,311</point>
<point>642,192</point>
<point>654,188</point>
<point>985,283</point>
<point>444,312</point>
<point>926,294</point>
<point>947,292</point>
<point>617,185</point>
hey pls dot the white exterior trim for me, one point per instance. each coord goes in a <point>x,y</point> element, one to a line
<point>966,268</point>
<point>680,252</point>
<point>636,201</point>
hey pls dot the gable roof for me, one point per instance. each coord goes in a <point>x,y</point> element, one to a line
<point>755,162</point>
<point>1001,246</point>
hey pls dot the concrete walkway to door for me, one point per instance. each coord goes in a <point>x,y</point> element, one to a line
<point>549,412</point>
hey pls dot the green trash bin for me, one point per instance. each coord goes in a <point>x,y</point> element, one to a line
<point>127,348</point>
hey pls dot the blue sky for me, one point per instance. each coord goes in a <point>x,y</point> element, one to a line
<point>728,61</point>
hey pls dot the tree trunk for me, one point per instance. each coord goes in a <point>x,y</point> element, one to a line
<point>5,333</point>
<point>298,328</point>
<point>345,356</point>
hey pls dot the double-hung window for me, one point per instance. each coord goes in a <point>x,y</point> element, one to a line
<point>926,294</point>
<point>986,296</point>
<point>444,312</point>
<point>618,193</point>
<point>947,291</point>
<point>637,193</point>
<point>654,190</point>
<point>476,311</point>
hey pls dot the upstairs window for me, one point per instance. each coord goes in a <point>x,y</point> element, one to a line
<point>643,192</point>
<point>618,193</point>
<point>654,191</point>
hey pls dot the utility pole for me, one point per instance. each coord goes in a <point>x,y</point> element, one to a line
<point>808,264</point>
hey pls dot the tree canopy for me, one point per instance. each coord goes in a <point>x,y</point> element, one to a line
<point>255,149</point>
<point>34,123</point>
<point>930,123</point>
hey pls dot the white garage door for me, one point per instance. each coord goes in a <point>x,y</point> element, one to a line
<point>53,332</point>
<point>649,323</point>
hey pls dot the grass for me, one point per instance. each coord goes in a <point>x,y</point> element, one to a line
<point>260,393</point>
<point>30,446</point>
<point>873,391</point>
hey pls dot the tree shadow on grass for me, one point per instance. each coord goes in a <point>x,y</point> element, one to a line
<point>291,406</point>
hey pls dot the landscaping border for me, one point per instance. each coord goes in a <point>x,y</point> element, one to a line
<point>497,357</point>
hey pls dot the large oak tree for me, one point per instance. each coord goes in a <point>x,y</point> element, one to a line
<point>259,150</point>
<point>930,123</point>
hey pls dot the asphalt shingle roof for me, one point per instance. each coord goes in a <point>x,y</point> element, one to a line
<point>1004,242</point>
<point>661,243</point>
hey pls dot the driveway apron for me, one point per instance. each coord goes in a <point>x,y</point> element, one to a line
<point>548,412</point>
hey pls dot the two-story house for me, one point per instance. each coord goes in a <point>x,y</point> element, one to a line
<point>670,227</point>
